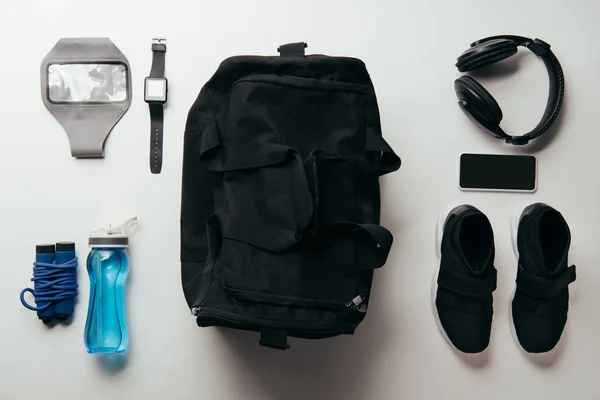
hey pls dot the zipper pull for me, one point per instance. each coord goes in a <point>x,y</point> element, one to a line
<point>356,304</point>
<point>195,311</point>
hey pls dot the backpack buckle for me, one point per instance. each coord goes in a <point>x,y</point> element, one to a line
<point>274,338</point>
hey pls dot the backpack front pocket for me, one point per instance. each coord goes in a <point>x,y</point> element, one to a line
<point>299,113</point>
<point>304,276</point>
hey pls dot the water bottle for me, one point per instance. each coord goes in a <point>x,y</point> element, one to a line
<point>106,329</point>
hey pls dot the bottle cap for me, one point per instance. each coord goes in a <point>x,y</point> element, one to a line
<point>65,246</point>
<point>111,237</point>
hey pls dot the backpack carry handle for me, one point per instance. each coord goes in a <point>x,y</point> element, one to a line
<point>292,49</point>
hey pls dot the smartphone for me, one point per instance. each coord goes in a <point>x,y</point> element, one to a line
<point>494,172</point>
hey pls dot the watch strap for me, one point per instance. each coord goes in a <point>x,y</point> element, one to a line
<point>156,137</point>
<point>159,48</point>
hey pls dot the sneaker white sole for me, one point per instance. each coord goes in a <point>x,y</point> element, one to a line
<point>439,235</point>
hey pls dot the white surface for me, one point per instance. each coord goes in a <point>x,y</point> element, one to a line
<point>397,353</point>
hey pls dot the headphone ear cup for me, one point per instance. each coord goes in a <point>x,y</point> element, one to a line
<point>480,101</point>
<point>485,54</point>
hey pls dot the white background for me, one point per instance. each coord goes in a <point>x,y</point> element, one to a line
<point>409,48</point>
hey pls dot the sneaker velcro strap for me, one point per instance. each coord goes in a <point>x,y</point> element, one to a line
<point>538,287</point>
<point>466,285</point>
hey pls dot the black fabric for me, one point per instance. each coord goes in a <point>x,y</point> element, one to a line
<point>541,300</point>
<point>466,279</point>
<point>156,137</point>
<point>543,288</point>
<point>466,286</point>
<point>469,333</point>
<point>280,196</point>
<point>543,332</point>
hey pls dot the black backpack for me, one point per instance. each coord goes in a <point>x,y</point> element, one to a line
<point>280,200</point>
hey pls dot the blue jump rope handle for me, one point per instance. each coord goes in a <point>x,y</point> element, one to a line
<point>65,252</point>
<point>48,312</point>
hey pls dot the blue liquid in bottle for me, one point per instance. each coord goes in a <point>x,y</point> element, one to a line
<point>106,330</point>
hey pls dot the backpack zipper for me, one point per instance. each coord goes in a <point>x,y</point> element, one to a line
<point>356,304</point>
<point>304,326</point>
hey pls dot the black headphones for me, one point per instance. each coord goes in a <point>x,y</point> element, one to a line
<point>479,105</point>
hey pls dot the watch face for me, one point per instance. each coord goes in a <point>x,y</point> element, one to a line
<point>87,83</point>
<point>155,89</point>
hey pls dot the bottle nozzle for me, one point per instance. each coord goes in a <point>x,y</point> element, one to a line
<point>123,227</point>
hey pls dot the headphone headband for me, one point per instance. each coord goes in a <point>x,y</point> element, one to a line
<point>480,106</point>
<point>519,40</point>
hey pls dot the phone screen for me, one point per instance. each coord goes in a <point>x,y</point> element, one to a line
<point>81,83</point>
<point>497,172</point>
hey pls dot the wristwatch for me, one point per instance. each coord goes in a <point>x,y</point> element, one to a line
<point>155,94</point>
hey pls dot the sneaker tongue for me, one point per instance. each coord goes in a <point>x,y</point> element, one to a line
<point>474,270</point>
<point>538,261</point>
<point>535,251</point>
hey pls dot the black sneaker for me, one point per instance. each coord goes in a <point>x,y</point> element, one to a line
<point>463,284</point>
<point>540,301</point>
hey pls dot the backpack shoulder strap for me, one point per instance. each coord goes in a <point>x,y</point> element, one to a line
<point>382,155</point>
